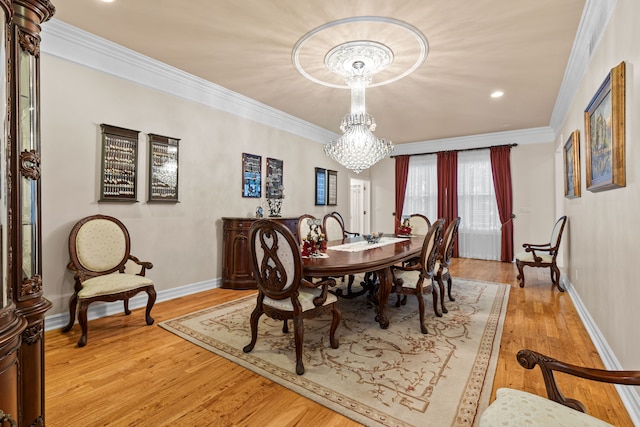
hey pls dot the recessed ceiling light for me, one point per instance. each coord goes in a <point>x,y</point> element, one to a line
<point>497,94</point>
<point>107,1</point>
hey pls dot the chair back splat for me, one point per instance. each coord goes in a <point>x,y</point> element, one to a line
<point>420,224</point>
<point>444,260</point>
<point>99,246</point>
<point>283,293</point>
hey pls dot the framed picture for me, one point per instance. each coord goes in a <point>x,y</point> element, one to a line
<point>604,133</point>
<point>163,169</point>
<point>321,187</point>
<point>572,166</point>
<point>274,183</point>
<point>332,188</point>
<point>119,172</point>
<point>251,175</point>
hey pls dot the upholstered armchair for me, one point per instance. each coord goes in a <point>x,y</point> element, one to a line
<point>283,293</point>
<point>104,269</point>
<point>519,408</point>
<point>543,255</point>
<point>413,279</point>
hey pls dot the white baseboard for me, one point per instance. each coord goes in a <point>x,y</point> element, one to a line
<point>98,310</point>
<point>628,394</point>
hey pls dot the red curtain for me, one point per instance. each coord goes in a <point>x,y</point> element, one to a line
<point>448,189</point>
<point>402,171</point>
<point>501,167</point>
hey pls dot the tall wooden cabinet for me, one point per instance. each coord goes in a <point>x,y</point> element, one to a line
<point>22,305</point>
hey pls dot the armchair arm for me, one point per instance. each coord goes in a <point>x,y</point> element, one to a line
<point>350,234</point>
<point>529,359</point>
<point>528,247</point>
<point>324,283</point>
<point>146,265</point>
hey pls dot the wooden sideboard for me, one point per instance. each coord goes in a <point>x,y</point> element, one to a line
<point>236,265</point>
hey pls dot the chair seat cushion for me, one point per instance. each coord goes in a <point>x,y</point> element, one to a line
<point>409,278</point>
<point>528,257</point>
<point>305,296</point>
<point>111,284</point>
<point>519,408</point>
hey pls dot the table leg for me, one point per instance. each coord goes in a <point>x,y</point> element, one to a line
<point>385,278</point>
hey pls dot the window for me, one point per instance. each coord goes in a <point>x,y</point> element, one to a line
<point>480,229</point>
<point>421,195</point>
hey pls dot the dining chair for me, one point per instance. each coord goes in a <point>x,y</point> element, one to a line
<point>283,293</point>
<point>344,227</point>
<point>100,260</point>
<point>413,279</point>
<point>420,224</point>
<point>543,255</point>
<point>308,225</point>
<point>441,268</point>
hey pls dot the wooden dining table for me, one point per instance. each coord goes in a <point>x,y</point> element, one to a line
<point>376,259</point>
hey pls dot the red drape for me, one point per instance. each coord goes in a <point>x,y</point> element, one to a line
<point>448,189</point>
<point>501,167</point>
<point>402,171</point>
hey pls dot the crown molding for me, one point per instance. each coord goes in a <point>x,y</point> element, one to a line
<point>525,136</point>
<point>73,44</point>
<point>594,19</point>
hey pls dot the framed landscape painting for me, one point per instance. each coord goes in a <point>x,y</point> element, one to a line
<point>572,166</point>
<point>604,121</point>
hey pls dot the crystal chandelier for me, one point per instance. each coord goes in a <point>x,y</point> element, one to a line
<point>357,61</point>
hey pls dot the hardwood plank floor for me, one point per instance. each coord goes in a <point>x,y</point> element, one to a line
<point>130,374</point>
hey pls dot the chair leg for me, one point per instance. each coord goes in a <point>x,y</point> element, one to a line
<point>335,321</point>
<point>434,293</point>
<point>126,307</point>
<point>253,321</point>
<point>420,297</point>
<point>441,287</point>
<point>451,298</point>
<point>298,332</point>
<point>150,301</point>
<point>73,304</point>
<point>82,319</point>
<point>285,327</point>
<point>556,282</point>
<point>520,273</point>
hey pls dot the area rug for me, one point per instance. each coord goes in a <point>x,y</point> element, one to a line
<point>378,377</point>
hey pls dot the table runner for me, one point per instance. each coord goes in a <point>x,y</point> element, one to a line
<point>364,245</point>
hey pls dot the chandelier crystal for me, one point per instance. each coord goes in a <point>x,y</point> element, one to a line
<point>358,148</point>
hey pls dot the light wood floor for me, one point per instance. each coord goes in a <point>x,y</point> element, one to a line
<point>130,374</point>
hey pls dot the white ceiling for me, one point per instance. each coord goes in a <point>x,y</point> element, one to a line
<point>520,47</point>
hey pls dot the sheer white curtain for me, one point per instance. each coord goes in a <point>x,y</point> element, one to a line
<point>480,228</point>
<point>421,195</point>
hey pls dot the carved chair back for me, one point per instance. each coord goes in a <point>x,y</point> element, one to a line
<point>309,226</point>
<point>420,224</point>
<point>446,250</point>
<point>333,228</point>
<point>556,235</point>
<point>431,248</point>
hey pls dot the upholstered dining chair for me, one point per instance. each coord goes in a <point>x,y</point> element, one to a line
<point>543,255</point>
<point>308,224</point>
<point>344,227</point>
<point>441,269</point>
<point>100,260</point>
<point>519,408</point>
<point>413,279</point>
<point>420,224</point>
<point>283,293</point>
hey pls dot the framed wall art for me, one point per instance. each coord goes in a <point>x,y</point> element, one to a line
<point>274,182</point>
<point>163,169</point>
<point>332,188</point>
<point>572,166</point>
<point>321,187</point>
<point>604,121</point>
<point>251,175</point>
<point>119,171</point>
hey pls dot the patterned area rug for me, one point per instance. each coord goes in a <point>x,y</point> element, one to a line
<point>392,377</point>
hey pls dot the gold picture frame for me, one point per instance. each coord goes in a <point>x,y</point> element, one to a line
<point>604,121</point>
<point>572,166</point>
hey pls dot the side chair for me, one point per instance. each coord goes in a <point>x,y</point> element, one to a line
<point>411,279</point>
<point>519,408</point>
<point>444,260</point>
<point>99,250</point>
<point>283,293</point>
<point>543,255</point>
<point>420,224</point>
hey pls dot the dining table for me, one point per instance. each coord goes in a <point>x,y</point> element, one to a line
<point>354,255</point>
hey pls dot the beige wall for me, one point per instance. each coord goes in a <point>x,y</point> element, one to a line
<point>182,240</point>
<point>603,226</point>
